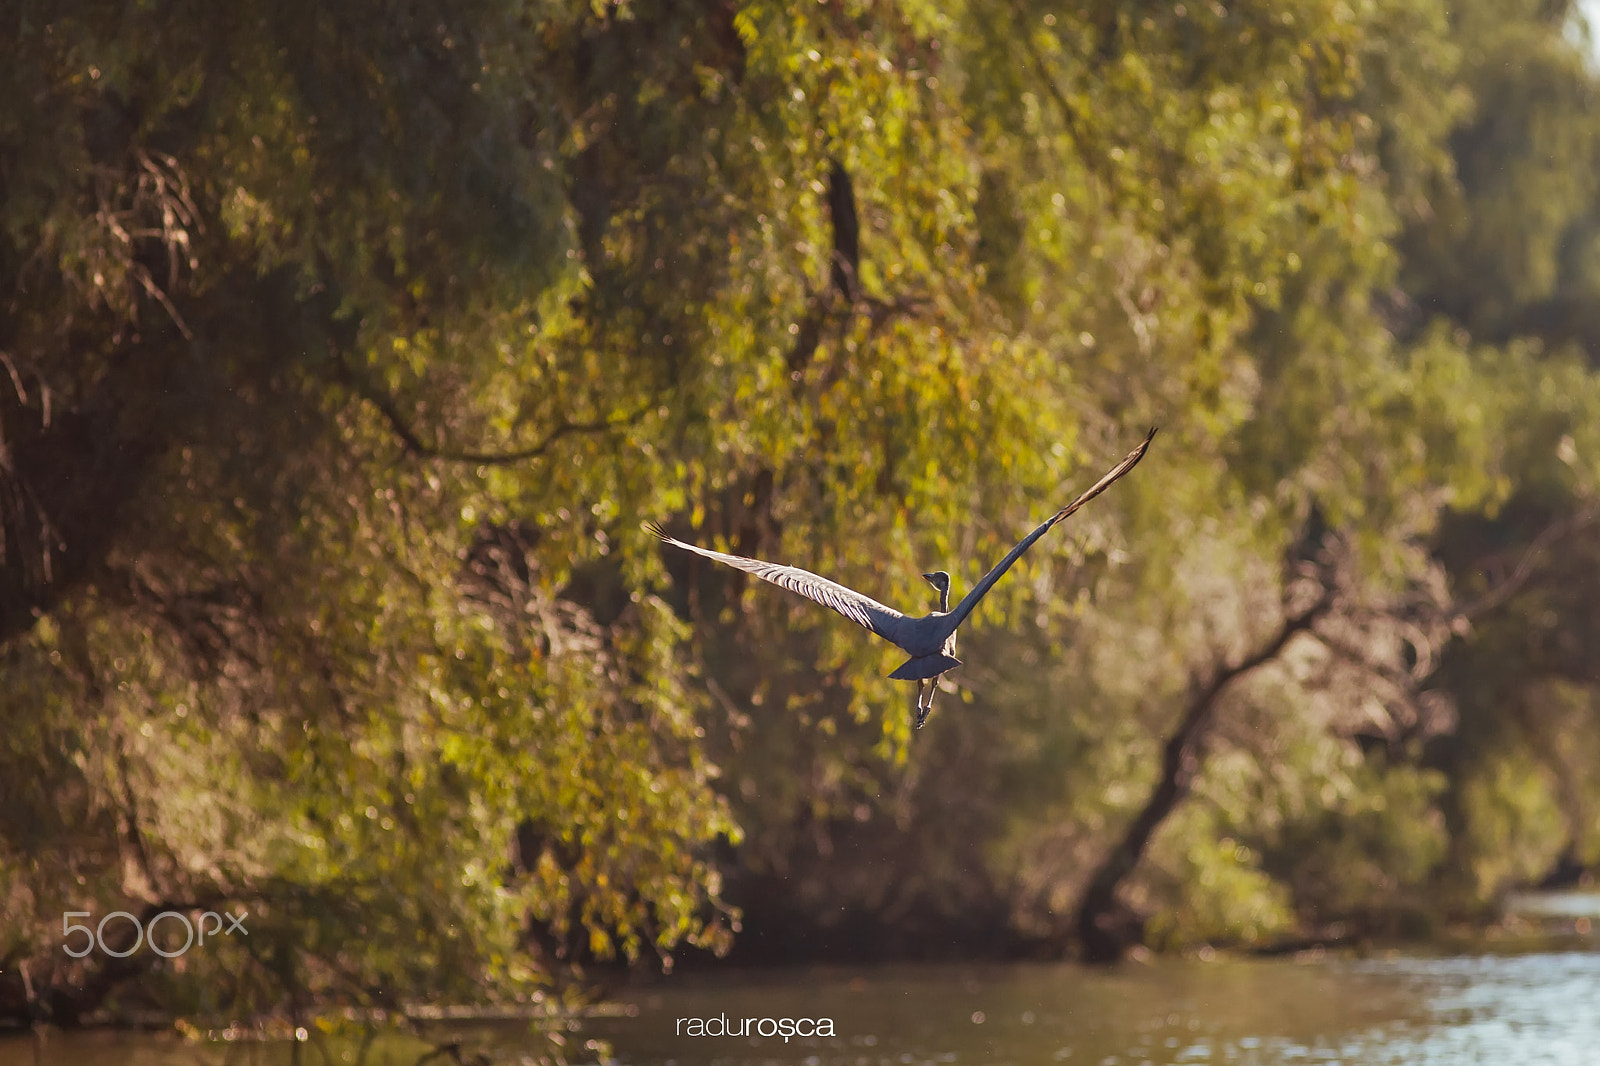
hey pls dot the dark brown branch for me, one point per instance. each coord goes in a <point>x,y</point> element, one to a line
<point>846,258</point>
<point>415,445</point>
<point>1341,649</point>
<point>845,266</point>
<point>1103,926</point>
<point>132,831</point>
<point>1527,566</point>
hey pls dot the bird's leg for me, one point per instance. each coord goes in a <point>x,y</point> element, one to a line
<point>916,703</point>
<point>927,708</point>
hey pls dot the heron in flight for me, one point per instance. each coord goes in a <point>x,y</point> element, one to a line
<point>931,639</point>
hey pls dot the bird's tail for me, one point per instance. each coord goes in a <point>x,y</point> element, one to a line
<point>925,666</point>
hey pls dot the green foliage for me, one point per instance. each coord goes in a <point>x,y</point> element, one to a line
<point>346,349</point>
<point>1503,246</point>
<point>1368,841</point>
<point>1507,255</point>
<point>1515,830</point>
<point>1214,889</point>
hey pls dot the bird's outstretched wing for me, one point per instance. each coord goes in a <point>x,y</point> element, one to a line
<point>863,610</point>
<point>1104,483</point>
<point>950,621</point>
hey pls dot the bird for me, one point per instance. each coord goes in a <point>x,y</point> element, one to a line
<point>931,639</point>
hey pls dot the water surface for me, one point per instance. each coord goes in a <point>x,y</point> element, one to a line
<point>1494,1010</point>
<point>1524,1010</point>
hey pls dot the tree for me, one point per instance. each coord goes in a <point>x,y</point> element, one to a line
<point>1507,256</point>
<point>282,285</point>
<point>346,350</point>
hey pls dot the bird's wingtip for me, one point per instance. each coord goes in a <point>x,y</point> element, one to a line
<point>1144,445</point>
<point>656,531</point>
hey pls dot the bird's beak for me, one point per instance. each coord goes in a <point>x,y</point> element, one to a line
<point>927,577</point>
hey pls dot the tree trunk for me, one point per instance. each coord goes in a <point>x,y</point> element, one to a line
<point>1107,928</point>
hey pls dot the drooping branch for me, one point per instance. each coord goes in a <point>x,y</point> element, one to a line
<point>65,473</point>
<point>845,266</point>
<point>1528,566</point>
<point>413,443</point>
<point>825,308</point>
<point>1092,150</point>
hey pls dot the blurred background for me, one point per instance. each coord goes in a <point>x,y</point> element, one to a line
<point>345,349</point>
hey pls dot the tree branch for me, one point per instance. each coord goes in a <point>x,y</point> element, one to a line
<point>1100,919</point>
<point>415,445</point>
<point>1527,566</point>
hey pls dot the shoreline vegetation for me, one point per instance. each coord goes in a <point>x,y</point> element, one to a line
<point>346,353</point>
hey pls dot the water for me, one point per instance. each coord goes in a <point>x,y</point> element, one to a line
<point>1577,904</point>
<point>1494,1010</point>
<point>1527,1010</point>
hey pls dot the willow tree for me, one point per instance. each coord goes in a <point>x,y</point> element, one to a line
<point>1509,257</point>
<point>315,416</point>
<point>1181,215</point>
<point>347,348</point>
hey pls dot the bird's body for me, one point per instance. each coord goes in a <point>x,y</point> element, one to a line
<point>931,639</point>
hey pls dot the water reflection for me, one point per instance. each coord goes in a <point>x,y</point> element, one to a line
<point>1527,1010</point>
<point>1502,1010</point>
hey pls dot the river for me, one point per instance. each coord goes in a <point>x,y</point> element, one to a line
<point>1405,1010</point>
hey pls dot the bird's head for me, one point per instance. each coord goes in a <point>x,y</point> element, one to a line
<point>940,581</point>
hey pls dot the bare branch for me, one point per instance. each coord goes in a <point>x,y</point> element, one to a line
<point>417,446</point>
<point>1398,681</point>
<point>1527,567</point>
<point>16,378</point>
